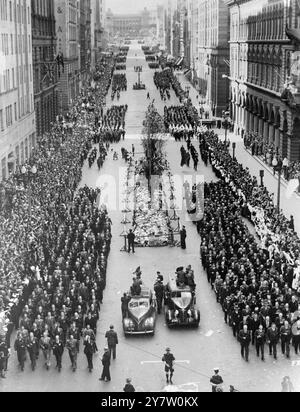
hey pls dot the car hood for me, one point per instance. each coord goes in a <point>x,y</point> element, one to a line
<point>139,311</point>
<point>183,302</point>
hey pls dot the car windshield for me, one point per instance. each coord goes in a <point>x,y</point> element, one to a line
<point>182,299</point>
<point>138,304</point>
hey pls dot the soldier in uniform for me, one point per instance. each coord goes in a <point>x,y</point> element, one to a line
<point>58,350</point>
<point>32,347</point>
<point>260,340</point>
<point>106,364</point>
<point>286,336</point>
<point>89,352</point>
<point>216,380</point>
<point>112,341</point>
<point>245,339</point>
<point>273,336</point>
<point>73,352</point>
<point>20,348</point>
<point>3,356</point>
<point>169,360</point>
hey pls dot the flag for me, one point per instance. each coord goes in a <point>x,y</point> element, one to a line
<point>292,187</point>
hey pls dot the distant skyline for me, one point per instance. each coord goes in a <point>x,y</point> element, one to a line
<point>131,6</point>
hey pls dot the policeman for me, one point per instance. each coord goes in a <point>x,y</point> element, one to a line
<point>3,356</point>
<point>32,347</point>
<point>159,292</point>
<point>106,364</point>
<point>169,360</point>
<point>112,341</point>
<point>216,380</point>
<point>58,350</point>
<point>20,348</point>
<point>128,387</point>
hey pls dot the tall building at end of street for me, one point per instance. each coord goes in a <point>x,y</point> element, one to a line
<point>265,75</point>
<point>44,64</point>
<point>17,118</point>
<point>210,52</point>
<point>131,25</point>
<point>67,15</point>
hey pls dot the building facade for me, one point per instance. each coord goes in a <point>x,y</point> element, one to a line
<point>128,25</point>
<point>265,81</point>
<point>210,52</point>
<point>17,118</point>
<point>98,38</point>
<point>85,41</point>
<point>67,15</point>
<point>45,74</point>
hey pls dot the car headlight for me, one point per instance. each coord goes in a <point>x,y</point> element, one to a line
<point>149,322</point>
<point>128,323</point>
<point>176,312</point>
<point>189,312</point>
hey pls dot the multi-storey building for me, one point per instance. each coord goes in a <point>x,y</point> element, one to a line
<point>97,30</point>
<point>265,88</point>
<point>17,119</point>
<point>67,17</point>
<point>44,64</point>
<point>210,51</point>
<point>85,38</point>
<point>128,25</point>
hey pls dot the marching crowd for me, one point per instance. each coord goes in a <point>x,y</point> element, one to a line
<point>181,121</point>
<point>54,242</point>
<point>112,125</point>
<point>119,84</point>
<point>256,283</point>
<point>164,81</point>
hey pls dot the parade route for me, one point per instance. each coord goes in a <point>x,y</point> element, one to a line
<point>198,350</point>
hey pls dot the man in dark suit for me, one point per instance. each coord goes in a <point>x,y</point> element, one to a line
<point>245,339</point>
<point>129,387</point>
<point>131,239</point>
<point>106,364</point>
<point>112,341</point>
<point>183,238</point>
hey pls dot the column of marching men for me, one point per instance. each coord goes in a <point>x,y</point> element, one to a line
<point>53,260</point>
<point>255,281</point>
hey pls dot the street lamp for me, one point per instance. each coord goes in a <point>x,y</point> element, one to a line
<point>234,148</point>
<point>226,123</point>
<point>28,174</point>
<point>278,167</point>
<point>262,175</point>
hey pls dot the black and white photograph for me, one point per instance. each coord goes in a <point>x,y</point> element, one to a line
<point>149,199</point>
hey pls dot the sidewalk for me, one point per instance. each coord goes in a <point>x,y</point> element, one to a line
<point>289,205</point>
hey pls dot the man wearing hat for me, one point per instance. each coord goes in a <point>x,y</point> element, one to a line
<point>183,238</point>
<point>159,293</point>
<point>128,387</point>
<point>106,364</point>
<point>169,360</point>
<point>112,341</point>
<point>216,380</point>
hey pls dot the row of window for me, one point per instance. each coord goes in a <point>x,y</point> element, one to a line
<point>15,10</point>
<point>10,79</point>
<point>14,44</point>
<point>10,114</point>
<point>22,154</point>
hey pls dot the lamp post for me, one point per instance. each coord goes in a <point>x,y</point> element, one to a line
<point>262,175</point>
<point>226,123</point>
<point>234,148</point>
<point>28,174</point>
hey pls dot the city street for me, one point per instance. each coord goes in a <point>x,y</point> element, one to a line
<point>210,346</point>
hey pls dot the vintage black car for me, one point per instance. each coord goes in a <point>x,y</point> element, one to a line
<point>180,305</point>
<point>140,318</point>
